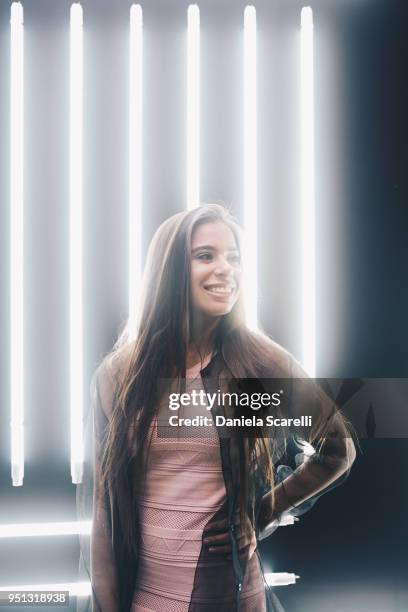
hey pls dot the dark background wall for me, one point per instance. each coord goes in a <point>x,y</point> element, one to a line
<point>349,550</point>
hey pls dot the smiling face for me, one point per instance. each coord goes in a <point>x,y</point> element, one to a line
<point>215,269</point>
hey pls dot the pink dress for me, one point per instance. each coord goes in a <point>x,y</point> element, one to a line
<point>184,490</point>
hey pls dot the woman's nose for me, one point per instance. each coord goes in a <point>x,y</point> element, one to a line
<point>223,267</point>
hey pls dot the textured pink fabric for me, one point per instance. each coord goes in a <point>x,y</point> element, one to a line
<point>184,489</point>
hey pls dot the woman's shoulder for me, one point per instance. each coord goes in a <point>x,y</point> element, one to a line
<point>115,364</point>
<point>273,359</point>
<point>109,374</point>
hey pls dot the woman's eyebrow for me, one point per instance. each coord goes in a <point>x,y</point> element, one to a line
<point>211,248</point>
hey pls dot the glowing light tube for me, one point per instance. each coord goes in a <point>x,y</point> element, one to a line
<point>135,161</point>
<point>250,169</point>
<point>76,306</point>
<point>16,243</point>
<point>24,530</point>
<point>78,589</point>
<point>193,106</point>
<point>280,578</point>
<point>308,194</point>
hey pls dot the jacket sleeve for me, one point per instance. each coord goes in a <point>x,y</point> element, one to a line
<point>97,557</point>
<point>329,434</point>
<point>294,457</point>
<point>299,486</point>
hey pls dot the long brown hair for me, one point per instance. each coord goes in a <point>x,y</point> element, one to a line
<point>159,351</point>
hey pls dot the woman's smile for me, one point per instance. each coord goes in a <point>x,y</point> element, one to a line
<point>220,291</point>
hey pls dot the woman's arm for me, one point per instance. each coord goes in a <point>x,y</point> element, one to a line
<point>306,481</point>
<point>335,451</point>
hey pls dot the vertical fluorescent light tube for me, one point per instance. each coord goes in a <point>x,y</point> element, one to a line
<point>193,106</point>
<point>308,194</point>
<point>250,168</point>
<point>16,243</point>
<point>135,162</point>
<point>76,306</point>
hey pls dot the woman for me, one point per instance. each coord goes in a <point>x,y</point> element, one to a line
<point>177,515</point>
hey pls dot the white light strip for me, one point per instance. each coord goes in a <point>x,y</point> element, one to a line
<point>23,530</point>
<point>193,106</point>
<point>250,169</point>
<point>16,242</point>
<point>280,578</point>
<point>135,161</point>
<point>77,589</point>
<point>76,306</point>
<point>308,195</point>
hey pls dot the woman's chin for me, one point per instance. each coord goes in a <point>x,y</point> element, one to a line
<point>214,309</point>
<point>219,311</point>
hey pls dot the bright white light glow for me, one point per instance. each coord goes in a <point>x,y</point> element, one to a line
<point>308,195</point>
<point>23,530</point>
<point>135,161</point>
<point>250,169</point>
<point>78,589</point>
<point>76,306</point>
<point>287,519</point>
<point>193,106</point>
<point>308,449</point>
<point>16,243</point>
<point>280,578</point>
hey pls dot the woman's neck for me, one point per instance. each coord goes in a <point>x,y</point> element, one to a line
<point>196,355</point>
<point>202,343</point>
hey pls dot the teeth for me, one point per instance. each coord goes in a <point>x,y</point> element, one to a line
<point>220,289</point>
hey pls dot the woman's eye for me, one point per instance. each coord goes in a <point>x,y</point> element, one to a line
<point>204,256</point>
<point>235,259</point>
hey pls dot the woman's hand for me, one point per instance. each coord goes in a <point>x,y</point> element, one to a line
<point>217,537</point>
